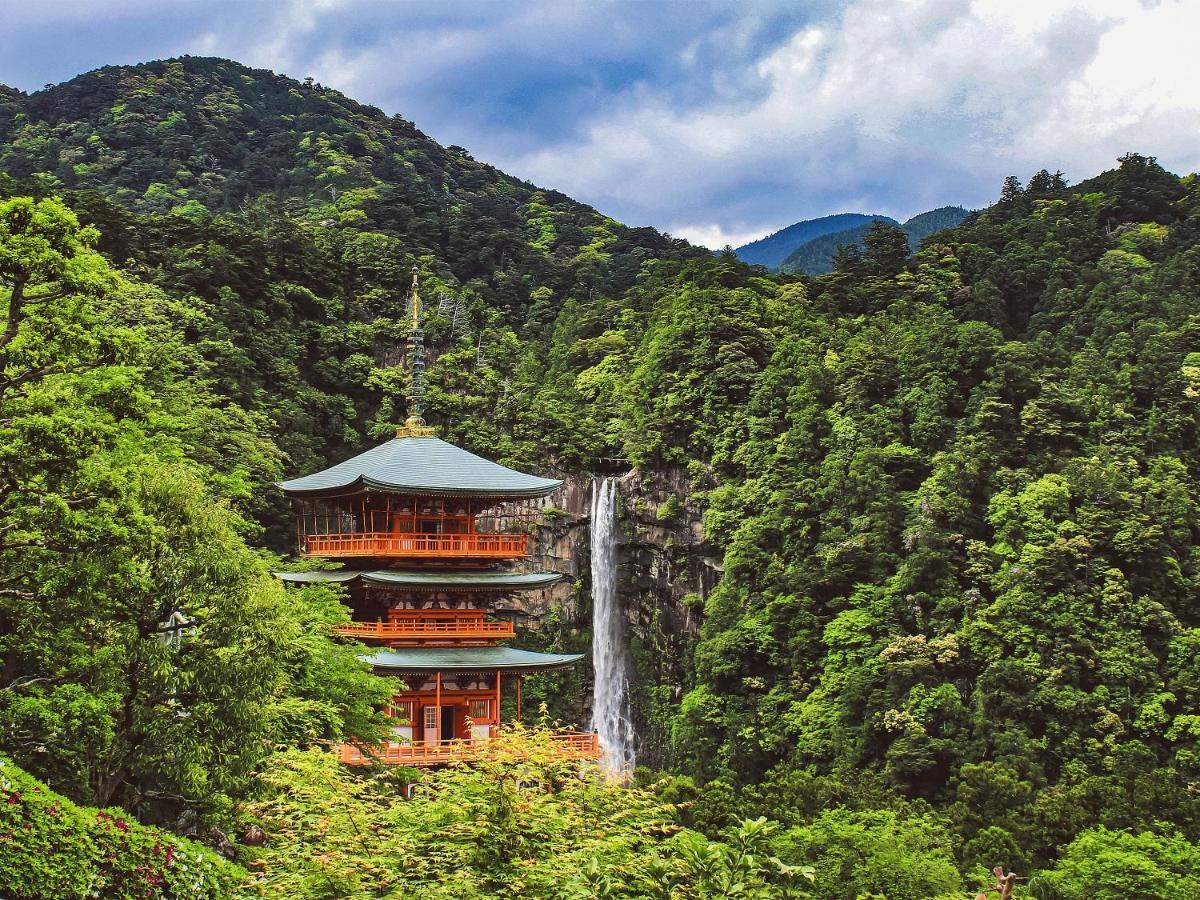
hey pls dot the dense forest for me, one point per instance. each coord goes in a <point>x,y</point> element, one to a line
<point>954,493</point>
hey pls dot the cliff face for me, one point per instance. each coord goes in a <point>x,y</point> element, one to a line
<point>666,572</point>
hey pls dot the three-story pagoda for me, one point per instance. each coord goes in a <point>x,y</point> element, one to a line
<point>423,530</point>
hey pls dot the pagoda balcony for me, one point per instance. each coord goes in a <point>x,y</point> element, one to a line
<point>418,546</point>
<point>420,754</point>
<point>427,631</point>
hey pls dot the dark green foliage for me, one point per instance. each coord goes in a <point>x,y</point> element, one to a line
<point>924,224</point>
<point>294,249</point>
<point>148,656</point>
<point>51,848</point>
<point>882,853</point>
<point>1117,865</point>
<point>960,527</point>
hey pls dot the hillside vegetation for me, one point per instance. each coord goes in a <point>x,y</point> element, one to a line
<point>953,495</point>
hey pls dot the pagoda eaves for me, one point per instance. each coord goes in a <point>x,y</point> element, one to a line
<point>431,579</point>
<point>422,466</point>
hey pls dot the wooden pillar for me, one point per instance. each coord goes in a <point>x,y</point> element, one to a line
<point>519,679</point>
<point>438,702</point>
<point>497,696</point>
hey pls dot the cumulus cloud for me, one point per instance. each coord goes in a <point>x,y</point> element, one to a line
<point>715,121</point>
<point>897,107</point>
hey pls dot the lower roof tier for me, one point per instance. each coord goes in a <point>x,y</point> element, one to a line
<point>468,659</point>
<point>431,579</point>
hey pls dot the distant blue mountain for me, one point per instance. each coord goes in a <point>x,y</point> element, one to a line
<point>815,257</point>
<point>772,250</point>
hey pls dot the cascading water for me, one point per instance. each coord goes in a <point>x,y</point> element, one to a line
<point>610,699</point>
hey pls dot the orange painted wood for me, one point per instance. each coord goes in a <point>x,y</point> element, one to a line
<point>449,697</point>
<point>435,613</point>
<point>382,543</point>
<point>416,629</point>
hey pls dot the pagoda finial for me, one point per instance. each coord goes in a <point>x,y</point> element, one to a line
<point>415,298</point>
<point>414,425</point>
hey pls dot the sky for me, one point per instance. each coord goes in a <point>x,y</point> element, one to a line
<point>715,121</point>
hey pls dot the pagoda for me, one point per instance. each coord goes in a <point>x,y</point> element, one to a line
<point>424,530</point>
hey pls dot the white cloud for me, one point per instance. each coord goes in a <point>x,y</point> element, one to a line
<point>713,236</point>
<point>931,97</point>
<point>718,122</point>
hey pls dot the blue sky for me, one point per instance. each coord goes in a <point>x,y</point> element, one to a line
<point>719,122</point>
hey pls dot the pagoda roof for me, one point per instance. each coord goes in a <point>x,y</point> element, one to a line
<point>467,659</point>
<point>470,581</point>
<point>427,466</point>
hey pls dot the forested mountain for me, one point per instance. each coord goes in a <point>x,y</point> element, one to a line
<point>811,245</point>
<point>291,215</point>
<point>951,497</point>
<point>773,249</point>
<point>924,224</point>
<point>818,256</point>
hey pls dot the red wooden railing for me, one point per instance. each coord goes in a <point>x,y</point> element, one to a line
<point>384,543</point>
<point>420,628</point>
<point>568,745</point>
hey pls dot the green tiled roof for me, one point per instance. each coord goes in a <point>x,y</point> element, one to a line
<point>422,465</point>
<point>479,581</point>
<point>468,659</point>
<point>313,577</point>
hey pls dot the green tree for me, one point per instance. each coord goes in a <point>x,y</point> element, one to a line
<point>147,651</point>
<point>885,249</point>
<point>1118,865</point>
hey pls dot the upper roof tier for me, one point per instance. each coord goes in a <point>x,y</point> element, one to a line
<point>427,466</point>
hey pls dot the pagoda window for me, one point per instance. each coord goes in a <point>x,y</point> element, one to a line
<point>400,710</point>
<point>481,710</point>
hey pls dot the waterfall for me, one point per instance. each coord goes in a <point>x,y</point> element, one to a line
<point>610,699</point>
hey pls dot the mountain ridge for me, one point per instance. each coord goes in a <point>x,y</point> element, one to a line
<point>815,257</point>
<point>771,250</point>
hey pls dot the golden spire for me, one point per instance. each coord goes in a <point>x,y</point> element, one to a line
<point>414,425</point>
<point>414,299</point>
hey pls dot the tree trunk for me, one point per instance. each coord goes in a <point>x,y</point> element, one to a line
<point>15,313</point>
